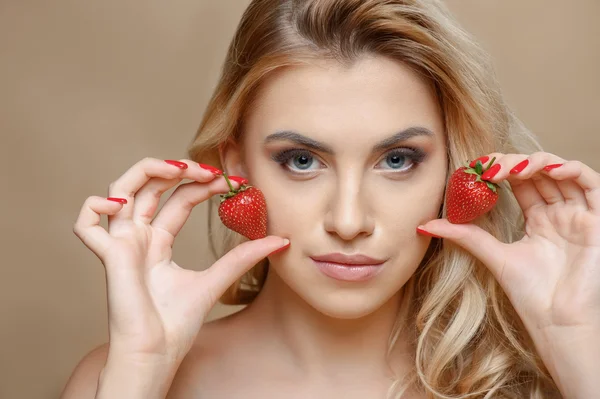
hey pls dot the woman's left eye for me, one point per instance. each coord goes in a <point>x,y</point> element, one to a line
<point>398,160</point>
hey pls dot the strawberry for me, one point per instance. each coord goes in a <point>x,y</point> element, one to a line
<point>467,196</point>
<point>244,211</point>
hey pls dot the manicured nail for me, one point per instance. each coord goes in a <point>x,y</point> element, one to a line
<point>238,179</point>
<point>215,171</point>
<point>491,172</point>
<point>552,166</point>
<point>180,165</point>
<point>426,233</point>
<point>282,248</point>
<point>483,160</point>
<point>519,167</point>
<point>119,200</point>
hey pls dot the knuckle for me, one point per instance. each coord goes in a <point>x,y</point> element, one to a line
<point>187,195</point>
<point>577,164</point>
<point>537,154</point>
<point>241,254</point>
<point>112,186</point>
<point>146,160</point>
<point>77,229</point>
<point>463,236</point>
<point>91,200</point>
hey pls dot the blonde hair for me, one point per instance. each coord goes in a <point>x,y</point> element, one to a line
<point>469,342</point>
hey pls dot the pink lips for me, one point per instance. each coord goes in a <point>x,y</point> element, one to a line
<point>348,267</point>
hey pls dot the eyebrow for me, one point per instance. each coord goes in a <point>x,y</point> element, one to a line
<point>403,135</point>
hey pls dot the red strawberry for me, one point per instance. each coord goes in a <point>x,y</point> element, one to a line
<point>467,196</point>
<point>244,211</point>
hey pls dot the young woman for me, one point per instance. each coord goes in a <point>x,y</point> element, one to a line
<point>350,116</point>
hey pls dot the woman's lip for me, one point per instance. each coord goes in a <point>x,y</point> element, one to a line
<point>354,259</point>
<point>351,265</point>
<point>345,272</point>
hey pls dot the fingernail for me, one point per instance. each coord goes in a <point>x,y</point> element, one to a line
<point>215,171</point>
<point>180,165</point>
<point>119,200</point>
<point>552,166</point>
<point>519,167</point>
<point>238,179</point>
<point>426,233</point>
<point>491,172</point>
<point>483,160</point>
<point>287,245</point>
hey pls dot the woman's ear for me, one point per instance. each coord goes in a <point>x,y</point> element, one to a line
<point>232,159</point>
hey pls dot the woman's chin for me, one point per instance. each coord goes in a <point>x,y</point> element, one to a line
<point>345,305</point>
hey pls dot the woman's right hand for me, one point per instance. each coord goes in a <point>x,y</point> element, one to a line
<point>155,307</point>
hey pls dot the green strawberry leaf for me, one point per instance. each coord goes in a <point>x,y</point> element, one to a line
<point>479,167</point>
<point>491,185</point>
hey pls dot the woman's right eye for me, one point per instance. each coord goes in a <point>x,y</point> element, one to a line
<point>295,160</point>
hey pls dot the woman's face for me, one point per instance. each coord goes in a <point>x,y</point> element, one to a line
<point>361,192</point>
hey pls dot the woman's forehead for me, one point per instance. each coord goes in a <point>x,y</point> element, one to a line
<point>374,97</point>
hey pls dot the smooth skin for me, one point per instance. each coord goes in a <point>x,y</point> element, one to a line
<point>551,275</point>
<point>155,307</point>
<point>307,335</point>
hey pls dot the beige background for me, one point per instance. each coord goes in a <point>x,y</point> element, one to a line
<point>89,88</point>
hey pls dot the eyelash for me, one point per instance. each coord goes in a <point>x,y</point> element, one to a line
<point>415,155</point>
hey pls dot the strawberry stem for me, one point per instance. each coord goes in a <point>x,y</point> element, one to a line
<point>231,189</point>
<point>490,164</point>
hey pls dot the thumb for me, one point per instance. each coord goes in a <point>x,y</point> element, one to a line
<point>231,266</point>
<point>484,246</point>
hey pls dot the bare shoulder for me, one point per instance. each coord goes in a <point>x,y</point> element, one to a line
<point>84,380</point>
<point>201,372</point>
<point>204,370</point>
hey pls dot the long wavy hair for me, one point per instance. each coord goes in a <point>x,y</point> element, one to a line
<point>468,340</point>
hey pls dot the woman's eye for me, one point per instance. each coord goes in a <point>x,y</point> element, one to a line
<point>397,161</point>
<point>296,160</point>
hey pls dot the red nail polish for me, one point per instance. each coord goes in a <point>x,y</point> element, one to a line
<point>552,166</point>
<point>180,165</point>
<point>215,171</point>
<point>119,200</point>
<point>519,167</point>
<point>280,249</point>
<point>483,160</point>
<point>238,179</point>
<point>491,172</point>
<point>426,233</point>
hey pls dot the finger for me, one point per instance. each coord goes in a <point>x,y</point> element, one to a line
<point>513,169</point>
<point>87,226</point>
<point>572,193</point>
<point>148,197</point>
<point>133,179</point>
<point>178,207</point>
<point>526,194</point>
<point>484,246</point>
<point>229,268</point>
<point>547,188</point>
<point>577,179</point>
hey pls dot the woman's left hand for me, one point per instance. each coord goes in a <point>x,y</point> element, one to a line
<point>551,275</point>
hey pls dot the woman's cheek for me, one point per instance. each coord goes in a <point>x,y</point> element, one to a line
<point>286,211</point>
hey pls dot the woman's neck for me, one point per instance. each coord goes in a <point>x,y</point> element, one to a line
<point>320,344</point>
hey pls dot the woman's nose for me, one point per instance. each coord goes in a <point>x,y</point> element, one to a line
<point>348,215</point>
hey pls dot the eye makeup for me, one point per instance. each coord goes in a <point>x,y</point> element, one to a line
<point>413,155</point>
